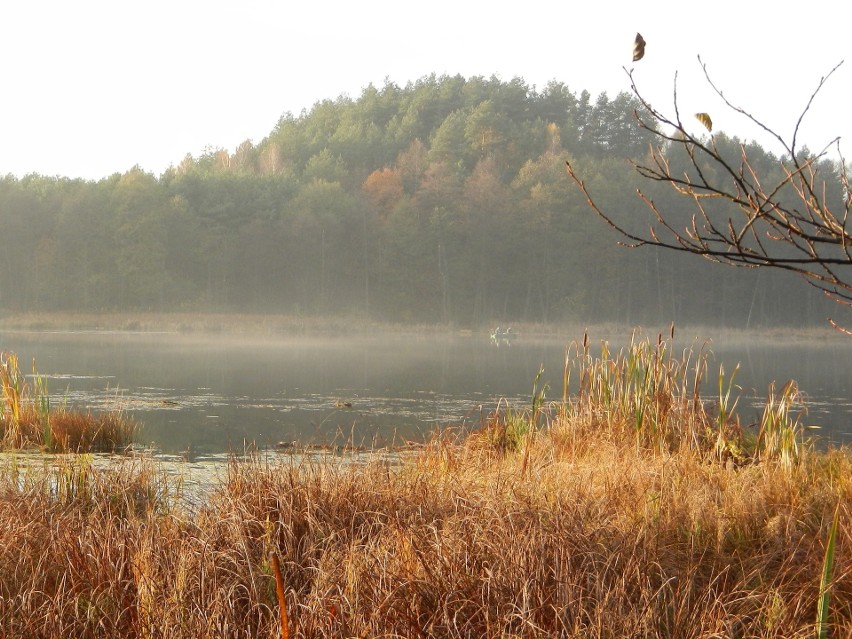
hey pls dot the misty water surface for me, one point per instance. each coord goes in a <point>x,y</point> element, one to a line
<point>214,394</point>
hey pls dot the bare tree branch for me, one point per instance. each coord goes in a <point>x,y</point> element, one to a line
<point>790,217</point>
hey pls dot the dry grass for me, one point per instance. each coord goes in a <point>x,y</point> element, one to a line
<point>587,525</point>
<point>27,418</point>
<point>459,541</point>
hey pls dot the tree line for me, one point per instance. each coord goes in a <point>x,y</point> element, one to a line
<point>445,200</point>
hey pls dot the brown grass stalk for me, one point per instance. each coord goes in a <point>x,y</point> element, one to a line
<point>280,592</point>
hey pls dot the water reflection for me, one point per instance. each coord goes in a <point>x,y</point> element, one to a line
<point>210,395</point>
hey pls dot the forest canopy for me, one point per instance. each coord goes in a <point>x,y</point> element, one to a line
<point>445,200</point>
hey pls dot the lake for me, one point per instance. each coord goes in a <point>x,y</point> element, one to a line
<point>209,394</point>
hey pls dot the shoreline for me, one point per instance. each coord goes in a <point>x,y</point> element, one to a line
<point>263,325</point>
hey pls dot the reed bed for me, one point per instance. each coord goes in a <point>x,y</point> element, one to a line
<point>580,524</point>
<point>28,418</point>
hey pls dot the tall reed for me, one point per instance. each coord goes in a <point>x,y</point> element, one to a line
<point>644,392</point>
<point>14,392</point>
<point>781,433</point>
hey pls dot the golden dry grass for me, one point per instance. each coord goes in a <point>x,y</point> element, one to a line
<point>458,541</point>
<point>28,420</point>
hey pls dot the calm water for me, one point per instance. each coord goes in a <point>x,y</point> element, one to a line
<point>211,395</point>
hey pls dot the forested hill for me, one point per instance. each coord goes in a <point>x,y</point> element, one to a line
<point>442,201</point>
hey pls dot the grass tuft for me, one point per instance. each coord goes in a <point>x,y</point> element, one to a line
<point>28,420</point>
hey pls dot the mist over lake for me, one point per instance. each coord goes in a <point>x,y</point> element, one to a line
<point>212,394</point>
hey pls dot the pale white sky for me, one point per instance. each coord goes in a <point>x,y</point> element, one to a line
<point>93,87</point>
